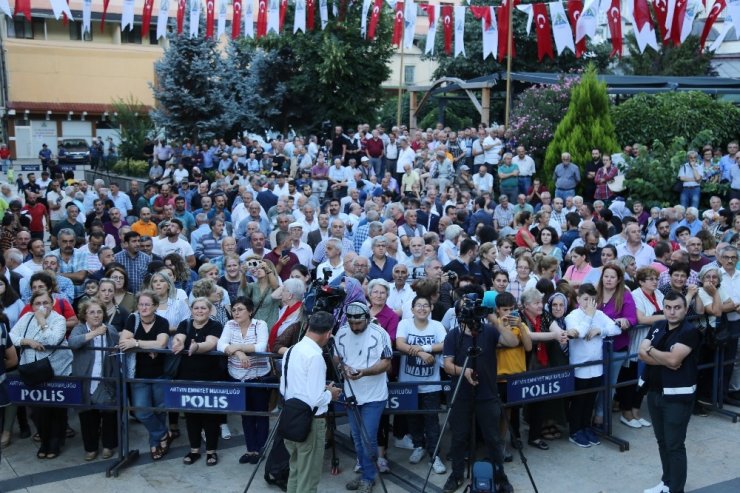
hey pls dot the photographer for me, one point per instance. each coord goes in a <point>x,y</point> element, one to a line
<point>365,351</point>
<point>478,390</point>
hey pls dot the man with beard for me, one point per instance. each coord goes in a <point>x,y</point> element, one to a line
<point>172,243</point>
<point>72,264</point>
<point>663,227</point>
<point>589,186</point>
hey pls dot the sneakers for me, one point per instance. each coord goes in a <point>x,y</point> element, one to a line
<point>592,437</point>
<point>383,465</point>
<point>644,422</point>
<point>632,423</point>
<point>658,488</point>
<point>438,467</point>
<point>225,432</point>
<point>579,439</point>
<point>405,443</point>
<point>417,455</point>
<point>358,467</point>
<point>452,484</point>
<point>360,486</point>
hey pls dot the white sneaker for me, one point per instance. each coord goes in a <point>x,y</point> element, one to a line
<point>225,432</point>
<point>438,467</point>
<point>632,423</point>
<point>417,455</point>
<point>644,422</point>
<point>383,465</point>
<point>406,443</point>
<point>358,467</point>
<point>658,488</point>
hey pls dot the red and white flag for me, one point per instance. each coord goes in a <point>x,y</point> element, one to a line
<point>248,12</point>
<point>489,28</point>
<point>447,27</point>
<point>146,15</point>
<point>660,7</point>
<point>283,11</point>
<point>614,20</point>
<point>377,8</point>
<point>60,7</point>
<point>310,14</point>
<point>544,31</point>
<point>210,17</point>
<point>561,32</point>
<point>180,15</point>
<point>261,18</point>
<point>503,31</point>
<point>690,13</point>
<point>717,8</point>
<point>24,7</point>
<point>643,25</point>
<point>679,15</point>
<point>432,16</point>
<point>236,19</point>
<point>102,17</point>
<point>398,25</point>
<point>575,8</point>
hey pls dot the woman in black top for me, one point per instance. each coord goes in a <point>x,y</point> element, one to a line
<point>115,316</point>
<point>146,330</point>
<point>196,336</point>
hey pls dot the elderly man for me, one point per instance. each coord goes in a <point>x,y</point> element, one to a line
<point>257,248</point>
<point>337,231</point>
<point>209,245</point>
<point>72,264</point>
<point>333,262</point>
<point>51,266</point>
<point>643,253</point>
<point>298,246</point>
<point>381,265</point>
<point>566,177</point>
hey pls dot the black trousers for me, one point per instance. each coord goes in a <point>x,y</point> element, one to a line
<point>629,397</point>
<point>95,425</point>
<point>670,421</point>
<point>487,415</point>
<point>51,424</point>
<point>194,422</point>
<point>582,406</point>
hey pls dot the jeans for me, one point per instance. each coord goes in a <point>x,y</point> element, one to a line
<point>6,165</point>
<point>150,395</point>
<point>369,413</point>
<point>670,420</point>
<point>426,426</point>
<point>690,196</point>
<point>564,193</point>
<point>524,183</point>
<point>377,165</point>
<point>510,192</point>
<point>488,415</point>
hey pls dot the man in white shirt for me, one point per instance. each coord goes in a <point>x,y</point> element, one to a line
<point>731,283</point>
<point>526,168</point>
<point>301,249</point>
<point>304,378</point>
<point>483,180</point>
<point>643,253</point>
<point>173,243</point>
<point>406,155</point>
<point>400,292</point>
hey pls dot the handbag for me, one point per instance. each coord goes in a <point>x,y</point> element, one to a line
<point>297,416</point>
<point>617,184</point>
<point>36,372</point>
<point>172,361</point>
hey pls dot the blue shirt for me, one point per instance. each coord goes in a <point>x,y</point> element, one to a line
<point>385,273</point>
<point>694,226</point>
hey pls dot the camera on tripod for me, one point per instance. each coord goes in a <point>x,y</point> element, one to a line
<point>472,309</point>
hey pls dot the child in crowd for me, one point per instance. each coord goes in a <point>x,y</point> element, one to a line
<point>587,327</point>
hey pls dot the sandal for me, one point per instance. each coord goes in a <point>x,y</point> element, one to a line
<point>41,454</point>
<point>539,443</point>
<point>157,453</point>
<point>211,459</point>
<point>174,434</point>
<point>36,437</point>
<point>191,458</point>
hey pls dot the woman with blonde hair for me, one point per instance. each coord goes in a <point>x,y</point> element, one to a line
<point>260,291</point>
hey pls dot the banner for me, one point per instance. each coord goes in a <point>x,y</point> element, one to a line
<point>575,8</point>
<point>642,25</point>
<point>587,22</point>
<point>221,23</point>
<point>526,388</point>
<point>210,17</point>
<point>489,29</point>
<point>614,20</point>
<point>311,10</point>
<point>283,11</point>
<point>660,7</point>
<point>146,16</point>
<point>717,8</point>
<point>692,10</point>
<point>127,14</point>
<point>377,8</point>
<point>503,32</point>
<point>299,21</point>
<point>544,32</point>
<point>397,25</point>
<point>273,17</point>
<point>194,24</point>
<point>261,18</point>
<point>86,15</point>
<point>102,17</point>
<point>409,20</point>
<point>363,18</point>
<point>65,393</point>
<point>60,7</point>
<point>236,19</point>
<point>248,11</point>
<point>459,30</point>
<point>323,14</point>
<point>204,397</point>
<point>447,27</point>
<point>180,15</point>
<point>733,14</point>
<point>679,16</point>
<point>163,17</point>
<point>432,16</point>
<point>560,28</point>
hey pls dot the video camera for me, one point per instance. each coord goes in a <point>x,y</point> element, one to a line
<point>471,309</point>
<point>321,297</point>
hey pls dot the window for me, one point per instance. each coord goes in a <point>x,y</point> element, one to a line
<point>153,40</point>
<point>20,28</point>
<point>131,36</point>
<point>408,74</point>
<point>75,32</point>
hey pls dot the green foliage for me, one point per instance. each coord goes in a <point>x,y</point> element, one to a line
<point>134,127</point>
<point>684,60</point>
<point>653,172</point>
<point>137,168</point>
<point>525,60</point>
<point>331,74</point>
<point>388,111</point>
<point>536,112</point>
<point>647,117</point>
<point>586,125</point>
<point>457,115</point>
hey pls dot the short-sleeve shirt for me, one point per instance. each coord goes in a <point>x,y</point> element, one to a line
<point>146,366</point>
<point>456,346</point>
<point>361,351</point>
<point>412,368</point>
<point>198,366</point>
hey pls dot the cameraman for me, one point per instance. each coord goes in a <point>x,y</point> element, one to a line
<point>478,391</point>
<point>365,351</point>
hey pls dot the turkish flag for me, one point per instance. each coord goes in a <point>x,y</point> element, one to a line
<point>503,31</point>
<point>614,19</point>
<point>102,17</point>
<point>146,15</point>
<point>544,31</point>
<point>398,25</point>
<point>446,12</point>
<point>24,7</point>
<point>661,13</point>
<point>575,7</point>
<point>283,11</point>
<point>180,15</point>
<point>262,19</point>
<point>377,8</point>
<point>65,21</point>
<point>210,17</point>
<point>311,10</point>
<point>236,19</point>
<point>482,13</point>
<point>678,16</point>
<point>717,9</point>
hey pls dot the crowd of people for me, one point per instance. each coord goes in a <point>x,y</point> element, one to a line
<point>217,251</point>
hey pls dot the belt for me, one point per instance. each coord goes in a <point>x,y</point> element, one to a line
<point>320,416</point>
<point>695,186</point>
<point>565,189</point>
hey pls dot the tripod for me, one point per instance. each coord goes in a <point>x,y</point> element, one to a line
<point>351,405</point>
<point>270,439</point>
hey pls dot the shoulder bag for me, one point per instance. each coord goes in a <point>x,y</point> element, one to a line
<point>38,371</point>
<point>172,361</point>
<point>297,416</point>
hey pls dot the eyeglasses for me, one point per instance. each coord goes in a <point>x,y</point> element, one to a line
<point>729,257</point>
<point>117,278</point>
<point>423,306</point>
<point>238,309</point>
<point>145,305</point>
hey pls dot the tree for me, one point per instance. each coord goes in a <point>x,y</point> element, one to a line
<point>331,74</point>
<point>586,125</point>
<point>684,60</point>
<point>134,127</point>
<point>190,90</point>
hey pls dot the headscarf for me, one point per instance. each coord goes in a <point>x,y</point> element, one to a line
<point>354,291</point>
<point>560,321</point>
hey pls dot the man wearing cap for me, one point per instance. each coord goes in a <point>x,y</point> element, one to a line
<point>298,246</point>
<point>463,181</point>
<point>366,169</point>
<point>364,350</point>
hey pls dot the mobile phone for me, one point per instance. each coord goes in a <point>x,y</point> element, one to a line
<point>355,372</point>
<point>514,314</point>
<point>285,253</point>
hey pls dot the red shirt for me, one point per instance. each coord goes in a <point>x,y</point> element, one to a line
<point>61,306</point>
<point>285,271</point>
<point>374,147</point>
<point>5,153</point>
<point>37,212</point>
<point>160,201</point>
